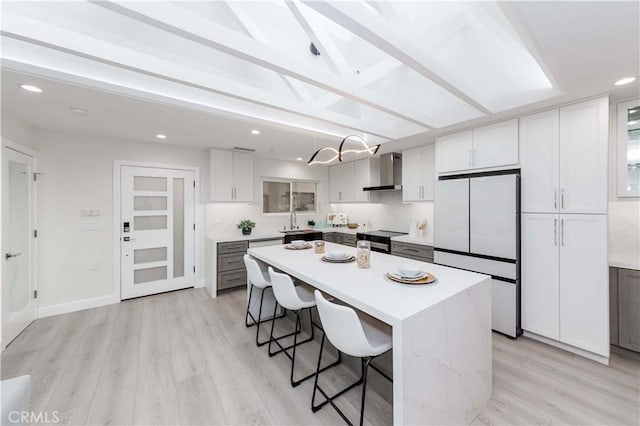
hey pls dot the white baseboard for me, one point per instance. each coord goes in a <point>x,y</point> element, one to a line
<point>79,305</point>
<point>595,357</point>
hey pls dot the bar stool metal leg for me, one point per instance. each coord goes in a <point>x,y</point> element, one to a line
<point>259,321</point>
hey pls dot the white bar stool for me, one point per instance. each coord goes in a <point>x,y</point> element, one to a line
<point>259,279</point>
<point>296,299</point>
<point>354,335</point>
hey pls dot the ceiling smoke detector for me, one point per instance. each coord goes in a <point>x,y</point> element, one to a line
<point>314,50</point>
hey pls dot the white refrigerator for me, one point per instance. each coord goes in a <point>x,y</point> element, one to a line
<point>477,228</point>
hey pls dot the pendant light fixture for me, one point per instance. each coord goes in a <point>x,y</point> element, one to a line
<point>338,153</point>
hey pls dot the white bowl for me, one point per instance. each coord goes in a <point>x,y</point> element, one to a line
<point>298,243</point>
<point>337,254</point>
<point>409,270</point>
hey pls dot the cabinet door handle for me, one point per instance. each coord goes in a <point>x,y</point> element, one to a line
<point>562,232</point>
<point>555,198</point>
<point>562,198</point>
<point>555,232</point>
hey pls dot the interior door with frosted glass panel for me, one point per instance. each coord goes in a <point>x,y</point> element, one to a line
<point>157,230</point>
<point>18,305</point>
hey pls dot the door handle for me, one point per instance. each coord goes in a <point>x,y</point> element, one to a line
<point>562,198</point>
<point>555,232</point>
<point>8,256</point>
<point>555,198</point>
<point>562,232</point>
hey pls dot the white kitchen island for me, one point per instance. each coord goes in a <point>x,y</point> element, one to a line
<point>441,331</point>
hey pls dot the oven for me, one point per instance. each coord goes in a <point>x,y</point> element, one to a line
<point>380,240</point>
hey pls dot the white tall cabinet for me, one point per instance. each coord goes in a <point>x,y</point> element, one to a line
<point>418,174</point>
<point>563,154</point>
<point>230,176</point>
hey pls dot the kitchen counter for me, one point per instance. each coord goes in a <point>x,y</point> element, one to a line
<point>441,332</point>
<point>240,237</point>
<point>625,263</point>
<point>413,240</point>
<point>275,234</point>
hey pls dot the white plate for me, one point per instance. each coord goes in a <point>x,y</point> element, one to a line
<point>420,276</point>
<point>337,257</point>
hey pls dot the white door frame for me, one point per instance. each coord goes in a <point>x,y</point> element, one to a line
<point>117,264</point>
<point>14,146</point>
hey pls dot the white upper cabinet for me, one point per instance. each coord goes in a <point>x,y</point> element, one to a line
<point>243,176</point>
<point>583,157</point>
<point>418,174</point>
<point>365,173</point>
<point>347,180</point>
<point>495,145</point>
<point>584,278</point>
<point>563,155</point>
<point>230,176</point>
<point>540,162</point>
<point>453,152</point>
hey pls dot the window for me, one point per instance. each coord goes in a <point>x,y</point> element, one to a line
<point>628,146</point>
<point>282,196</point>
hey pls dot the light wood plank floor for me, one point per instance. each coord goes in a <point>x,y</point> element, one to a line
<point>183,358</point>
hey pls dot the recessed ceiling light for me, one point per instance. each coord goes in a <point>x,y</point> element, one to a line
<point>255,132</point>
<point>30,88</point>
<point>299,158</point>
<point>78,111</point>
<point>625,80</point>
<point>161,136</point>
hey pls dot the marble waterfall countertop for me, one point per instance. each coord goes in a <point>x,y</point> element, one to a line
<point>442,371</point>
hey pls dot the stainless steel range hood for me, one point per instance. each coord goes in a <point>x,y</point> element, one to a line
<point>390,173</point>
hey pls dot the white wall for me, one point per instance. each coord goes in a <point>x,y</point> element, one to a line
<point>222,218</point>
<point>624,212</point>
<point>77,173</point>
<point>17,131</point>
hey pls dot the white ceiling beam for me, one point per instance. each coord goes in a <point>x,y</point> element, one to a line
<point>61,39</point>
<point>320,39</point>
<point>520,28</point>
<point>372,28</point>
<point>251,29</point>
<point>365,78</point>
<point>182,23</point>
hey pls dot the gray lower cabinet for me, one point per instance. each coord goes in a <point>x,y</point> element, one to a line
<point>412,251</point>
<point>332,237</point>
<point>625,311</point>
<point>349,240</point>
<point>230,264</point>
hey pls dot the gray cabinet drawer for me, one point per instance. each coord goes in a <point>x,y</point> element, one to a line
<point>332,237</point>
<point>232,279</point>
<point>229,262</point>
<point>412,251</point>
<point>349,240</point>
<point>233,247</point>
